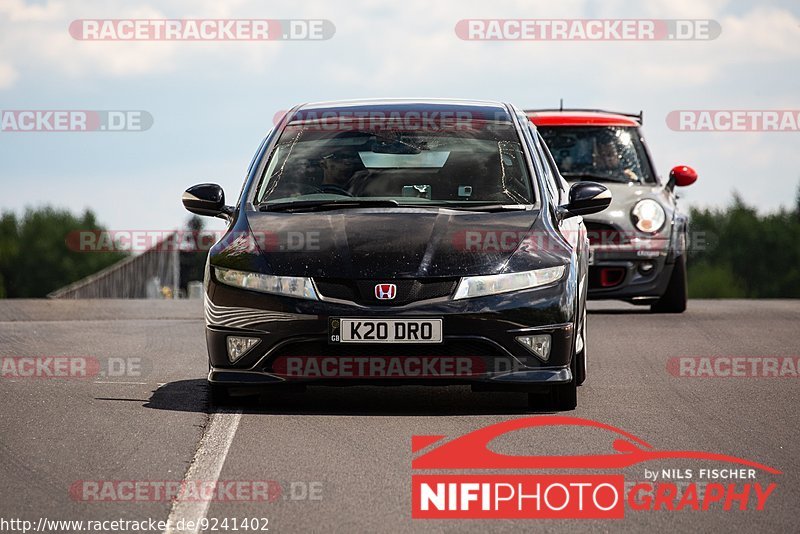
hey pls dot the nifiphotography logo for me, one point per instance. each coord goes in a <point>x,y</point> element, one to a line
<point>720,482</point>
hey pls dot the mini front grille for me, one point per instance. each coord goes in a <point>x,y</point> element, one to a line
<point>363,291</point>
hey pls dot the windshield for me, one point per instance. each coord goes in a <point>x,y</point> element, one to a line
<point>356,160</point>
<point>613,154</point>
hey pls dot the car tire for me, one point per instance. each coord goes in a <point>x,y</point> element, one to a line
<point>674,298</point>
<point>218,395</point>
<point>580,357</point>
<point>563,397</point>
<point>556,398</point>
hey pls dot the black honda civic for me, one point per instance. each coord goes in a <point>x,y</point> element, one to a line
<point>400,242</point>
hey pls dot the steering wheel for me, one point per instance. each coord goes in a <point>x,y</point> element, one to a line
<point>333,189</point>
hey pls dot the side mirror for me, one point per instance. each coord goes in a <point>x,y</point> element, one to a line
<point>682,175</point>
<point>587,197</point>
<point>206,199</point>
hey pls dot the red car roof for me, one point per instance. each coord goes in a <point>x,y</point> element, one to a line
<point>580,118</point>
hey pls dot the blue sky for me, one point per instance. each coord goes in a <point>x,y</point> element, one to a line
<point>213,102</point>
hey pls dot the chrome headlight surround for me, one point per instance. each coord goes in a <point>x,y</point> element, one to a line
<point>290,286</point>
<point>493,284</point>
<point>648,216</point>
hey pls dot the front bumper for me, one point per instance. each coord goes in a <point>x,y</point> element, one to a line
<point>620,271</point>
<point>479,346</point>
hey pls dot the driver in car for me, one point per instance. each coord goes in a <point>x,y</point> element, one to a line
<point>607,159</point>
<point>340,171</point>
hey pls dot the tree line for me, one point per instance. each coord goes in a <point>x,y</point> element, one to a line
<point>35,258</point>
<point>737,253</point>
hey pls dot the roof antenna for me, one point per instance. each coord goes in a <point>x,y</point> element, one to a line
<point>561,106</point>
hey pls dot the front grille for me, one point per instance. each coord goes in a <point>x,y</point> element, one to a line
<point>447,348</point>
<point>604,234</point>
<point>363,291</point>
<point>476,350</point>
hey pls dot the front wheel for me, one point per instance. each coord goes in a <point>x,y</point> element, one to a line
<point>218,395</point>
<point>580,356</point>
<point>556,398</point>
<point>674,298</point>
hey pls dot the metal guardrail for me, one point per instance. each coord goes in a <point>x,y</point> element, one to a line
<point>135,277</point>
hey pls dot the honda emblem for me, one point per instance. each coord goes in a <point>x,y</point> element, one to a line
<point>385,291</point>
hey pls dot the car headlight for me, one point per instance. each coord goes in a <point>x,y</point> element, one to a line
<point>292,286</point>
<point>478,286</point>
<point>648,216</point>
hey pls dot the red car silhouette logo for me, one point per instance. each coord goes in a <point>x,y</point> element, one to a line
<point>471,451</point>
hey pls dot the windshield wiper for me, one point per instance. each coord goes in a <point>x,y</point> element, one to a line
<point>588,175</point>
<point>320,205</point>
<point>486,207</point>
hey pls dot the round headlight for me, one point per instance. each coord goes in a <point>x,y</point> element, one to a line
<point>648,216</point>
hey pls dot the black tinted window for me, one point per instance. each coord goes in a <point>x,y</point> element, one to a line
<point>482,162</point>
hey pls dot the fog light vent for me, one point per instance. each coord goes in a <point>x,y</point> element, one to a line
<point>539,345</point>
<point>239,346</point>
<point>646,267</point>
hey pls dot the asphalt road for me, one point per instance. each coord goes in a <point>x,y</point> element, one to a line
<point>340,458</point>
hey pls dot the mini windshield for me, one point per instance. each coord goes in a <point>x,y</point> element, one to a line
<point>458,164</point>
<point>614,154</point>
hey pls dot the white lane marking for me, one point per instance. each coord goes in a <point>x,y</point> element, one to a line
<point>205,467</point>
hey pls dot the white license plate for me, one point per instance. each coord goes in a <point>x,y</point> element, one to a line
<point>347,330</point>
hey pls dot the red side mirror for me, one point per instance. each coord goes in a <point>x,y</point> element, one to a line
<point>683,175</point>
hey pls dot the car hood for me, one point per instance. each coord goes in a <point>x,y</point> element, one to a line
<point>377,243</point>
